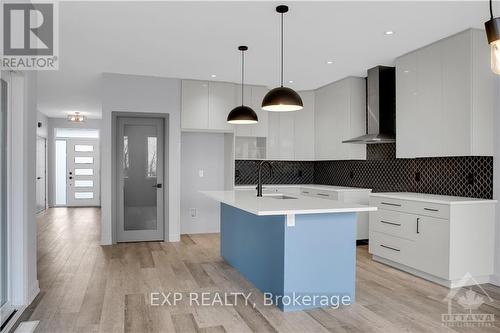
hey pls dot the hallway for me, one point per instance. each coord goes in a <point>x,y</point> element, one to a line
<point>86,287</point>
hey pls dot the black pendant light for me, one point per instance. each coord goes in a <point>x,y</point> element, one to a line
<point>242,114</point>
<point>493,33</point>
<point>282,99</point>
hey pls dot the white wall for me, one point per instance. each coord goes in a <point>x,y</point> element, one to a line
<point>140,94</point>
<point>201,152</point>
<point>496,186</point>
<point>22,184</point>
<point>54,123</point>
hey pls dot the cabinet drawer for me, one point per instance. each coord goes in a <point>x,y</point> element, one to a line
<point>327,195</point>
<point>394,223</point>
<point>307,192</point>
<point>389,204</point>
<point>431,209</point>
<point>393,248</point>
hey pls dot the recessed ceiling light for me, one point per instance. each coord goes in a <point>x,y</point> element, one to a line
<point>389,32</point>
<point>329,62</point>
<point>213,75</point>
<point>291,81</point>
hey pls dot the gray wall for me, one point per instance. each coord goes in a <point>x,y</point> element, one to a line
<point>140,94</point>
<point>54,123</point>
<point>201,151</point>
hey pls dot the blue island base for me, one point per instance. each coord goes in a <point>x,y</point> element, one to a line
<point>309,265</point>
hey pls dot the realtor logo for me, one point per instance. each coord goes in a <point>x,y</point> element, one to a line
<point>29,36</point>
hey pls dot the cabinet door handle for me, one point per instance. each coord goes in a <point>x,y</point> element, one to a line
<point>323,195</point>
<point>390,248</point>
<point>391,223</point>
<point>418,225</point>
<point>305,192</point>
<point>431,209</point>
<point>390,204</point>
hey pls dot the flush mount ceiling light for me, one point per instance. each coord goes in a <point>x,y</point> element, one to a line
<point>282,98</point>
<point>213,75</point>
<point>76,117</point>
<point>242,115</point>
<point>493,33</point>
<point>389,32</point>
<point>329,62</point>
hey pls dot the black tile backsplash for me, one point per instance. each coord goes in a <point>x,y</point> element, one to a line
<point>459,176</point>
<point>284,172</point>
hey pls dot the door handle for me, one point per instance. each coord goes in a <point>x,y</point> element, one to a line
<point>38,178</point>
<point>418,225</point>
<point>157,186</point>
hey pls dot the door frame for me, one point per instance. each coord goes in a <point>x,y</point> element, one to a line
<point>117,187</point>
<point>45,168</point>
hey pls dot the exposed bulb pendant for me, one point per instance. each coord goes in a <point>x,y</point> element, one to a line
<point>282,98</point>
<point>493,33</point>
<point>242,115</point>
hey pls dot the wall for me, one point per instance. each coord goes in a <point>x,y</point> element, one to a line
<point>54,123</point>
<point>496,192</point>
<point>382,172</point>
<point>21,176</point>
<point>140,94</point>
<point>201,151</point>
<point>284,172</point>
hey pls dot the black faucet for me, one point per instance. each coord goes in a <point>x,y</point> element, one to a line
<point>259,184</point>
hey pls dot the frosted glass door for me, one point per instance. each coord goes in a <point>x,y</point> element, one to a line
<point>83,172</point>
<point>140,183</point>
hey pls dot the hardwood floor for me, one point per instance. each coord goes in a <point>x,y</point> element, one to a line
<point>86,287</point>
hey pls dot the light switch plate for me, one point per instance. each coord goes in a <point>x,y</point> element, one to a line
<point>201,172</point>
<point>192,212</point>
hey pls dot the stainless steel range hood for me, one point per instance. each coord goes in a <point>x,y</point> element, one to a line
<point>380,107</point>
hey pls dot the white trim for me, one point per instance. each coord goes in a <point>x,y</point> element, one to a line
<point>447,283</point>
<point>495,280</point>
<point>14,319</point>
<point>174,237</point>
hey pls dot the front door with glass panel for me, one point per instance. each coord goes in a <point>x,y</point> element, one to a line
<point>140,185</point>
<point>82,172</point>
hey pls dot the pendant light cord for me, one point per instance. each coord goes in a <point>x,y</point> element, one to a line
<point>282,49</point>
<point>491,9</point>
<point>242,75</point>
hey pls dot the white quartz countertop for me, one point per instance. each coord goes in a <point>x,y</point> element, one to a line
<point>439,199</point>
<point>310,186</point>
<point>269,205</point>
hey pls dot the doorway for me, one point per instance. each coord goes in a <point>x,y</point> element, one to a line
<point>77,167</point>
<point>140,177</point>
<point>41,174</point>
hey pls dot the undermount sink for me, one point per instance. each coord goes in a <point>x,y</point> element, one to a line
<point>279,196</point>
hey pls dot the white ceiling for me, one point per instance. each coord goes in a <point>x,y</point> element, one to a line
<point>197,39</point>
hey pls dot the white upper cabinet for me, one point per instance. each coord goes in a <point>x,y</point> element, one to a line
<point>291,134</point>
<point>221,100</point>
<point>205,105</point>
<point>253,98</point>
<point>304,128</point>
<point>340,113</point>
<point>194,114</point>
<point>445,99</point>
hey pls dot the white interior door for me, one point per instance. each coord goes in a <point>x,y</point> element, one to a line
<point>41,178</point>
<point>140,188</point>
<point>83,188</point>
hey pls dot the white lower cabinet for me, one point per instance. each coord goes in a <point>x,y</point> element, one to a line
<point>437,241</point>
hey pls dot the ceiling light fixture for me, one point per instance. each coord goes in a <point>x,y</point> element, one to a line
<point>389,32</point>
<point>329,62</point>
<point>76,117</point>
<point>242,115</point>
<point>493,33</point>
<point>291,81</point>
<point>213,75</point>
<point>282,98</point>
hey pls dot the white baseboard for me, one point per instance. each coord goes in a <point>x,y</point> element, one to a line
<point>174,237</point>
<point>34,291</point>
<point>447,283</point>
<point>14,319</point>
<point>495,279</point>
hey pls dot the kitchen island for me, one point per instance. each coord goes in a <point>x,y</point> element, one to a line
<point>299,251</point>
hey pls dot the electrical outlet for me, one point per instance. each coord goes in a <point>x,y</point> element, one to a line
<point>192,212</point>
<point>201,172</point>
